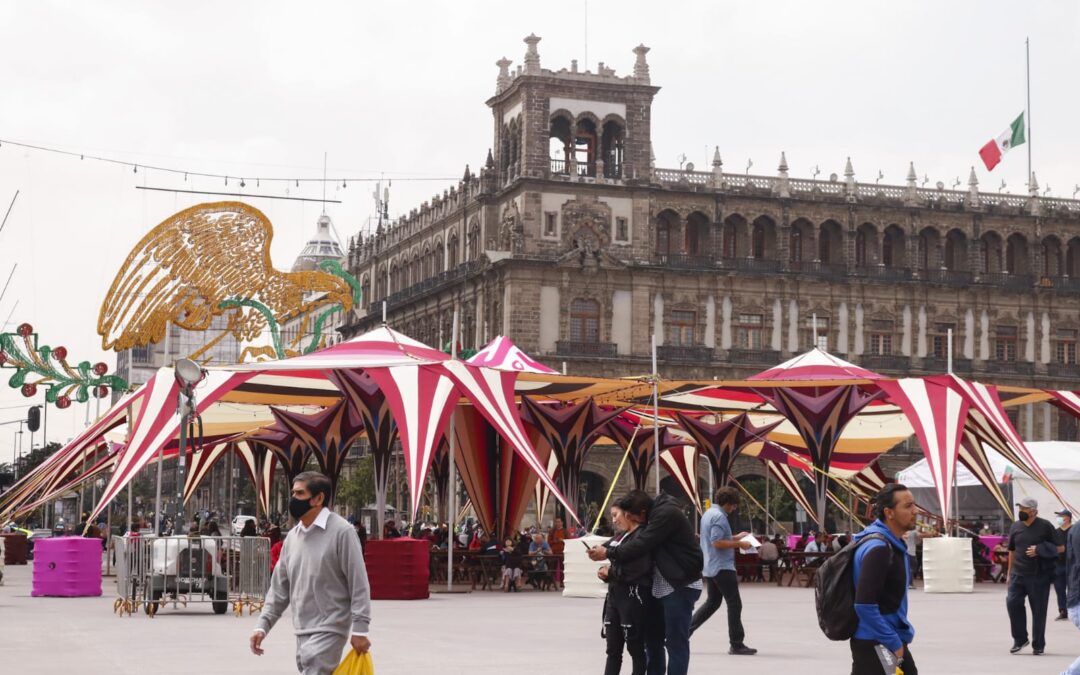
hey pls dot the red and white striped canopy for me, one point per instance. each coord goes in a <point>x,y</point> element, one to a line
<point>937,412</point>
<point>816,364</point>
<point>502,354</point>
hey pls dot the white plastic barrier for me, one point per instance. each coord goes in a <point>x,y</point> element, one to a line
<point>579,573</point>
<point>947,565</point>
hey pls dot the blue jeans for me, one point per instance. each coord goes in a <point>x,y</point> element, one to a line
<point>1036,588</point>
<point>673,618</point>
<point>1074,616</point>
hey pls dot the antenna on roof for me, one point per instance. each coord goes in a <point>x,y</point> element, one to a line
<point>324,182</point>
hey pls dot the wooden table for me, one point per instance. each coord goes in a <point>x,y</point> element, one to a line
<point>800,563</point>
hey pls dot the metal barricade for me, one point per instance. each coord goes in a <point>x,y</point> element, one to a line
<point>152,572</point>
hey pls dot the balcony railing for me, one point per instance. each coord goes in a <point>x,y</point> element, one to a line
<point>686,261</point>
<point>883,273</point>
<point>560,167</point>
<point>886,362</point>
<point>763,357</point>
<point>1069,370</point>
<point>1013,367</point>
<point>1061,284</point>
<point>569,348</point>
<point>817,268</point>
<point>947,277</point>
<point>939,364</point>
<point>437,282</point>
<point>1006,280</point>
<point>685,353</point>
<point>756,265</point>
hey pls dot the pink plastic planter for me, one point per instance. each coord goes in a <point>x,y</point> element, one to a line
<point>67,567</point>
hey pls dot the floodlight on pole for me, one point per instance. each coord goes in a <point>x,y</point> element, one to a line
<point>188,374</point>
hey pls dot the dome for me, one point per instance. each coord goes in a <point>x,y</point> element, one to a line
<point>322,246</point>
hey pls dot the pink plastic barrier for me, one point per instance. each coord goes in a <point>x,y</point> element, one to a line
<point>67,567</point>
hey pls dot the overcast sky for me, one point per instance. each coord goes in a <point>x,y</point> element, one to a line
<point>398,89</point>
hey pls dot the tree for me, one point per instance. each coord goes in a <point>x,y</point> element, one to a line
<point>358,490</point>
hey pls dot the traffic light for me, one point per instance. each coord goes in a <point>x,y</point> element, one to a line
<point>33,419</point>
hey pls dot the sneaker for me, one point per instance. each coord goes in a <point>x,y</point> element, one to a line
<point>1018,646</point>
<point>1036,651</point>
<point>742,650</point>
<point>1062,616</point>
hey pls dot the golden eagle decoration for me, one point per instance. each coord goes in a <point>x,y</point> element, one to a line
<point>213,260</point>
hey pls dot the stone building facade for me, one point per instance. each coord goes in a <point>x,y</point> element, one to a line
<point>571,242</point>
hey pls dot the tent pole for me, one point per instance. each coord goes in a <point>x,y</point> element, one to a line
<point>952,460</point>
<point>768,505</point>
<point>452,481</point>
<point>656,415</point>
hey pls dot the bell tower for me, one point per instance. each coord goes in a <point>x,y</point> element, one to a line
<point>571,124</point>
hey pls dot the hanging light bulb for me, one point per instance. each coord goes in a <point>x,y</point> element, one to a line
<point>226,180</point>
<point>343,184</point>
<point>136,169</point>
<point>256,182</point>
<point>297,182</point>
<point>242,184</point>
<point>185,176</point>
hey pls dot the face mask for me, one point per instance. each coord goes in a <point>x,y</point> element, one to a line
<point>298,507</point>
<point>1059,521</point>
<point>1025,516</point>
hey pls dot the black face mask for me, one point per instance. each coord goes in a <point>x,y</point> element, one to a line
<point>298,507</point>
<point>1026,516</point>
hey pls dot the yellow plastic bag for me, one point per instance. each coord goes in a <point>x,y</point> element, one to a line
<point>355,663</point>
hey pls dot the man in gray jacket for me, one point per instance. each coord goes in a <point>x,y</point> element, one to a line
<point>321,574</point>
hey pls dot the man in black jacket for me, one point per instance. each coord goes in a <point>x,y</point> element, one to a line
<point>1032,553</point>
<point>669,538</point>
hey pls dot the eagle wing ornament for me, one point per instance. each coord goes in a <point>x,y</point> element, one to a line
<point>207,261</point>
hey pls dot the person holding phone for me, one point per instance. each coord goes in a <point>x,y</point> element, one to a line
<point>628,598</point>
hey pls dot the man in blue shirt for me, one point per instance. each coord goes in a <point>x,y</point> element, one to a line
<point>721,582</point>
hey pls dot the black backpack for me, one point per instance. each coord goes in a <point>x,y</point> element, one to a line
<point>834,591</point>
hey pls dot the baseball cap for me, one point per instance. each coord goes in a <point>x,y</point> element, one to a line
<point>1028,503</point>
<point>1064,512</point>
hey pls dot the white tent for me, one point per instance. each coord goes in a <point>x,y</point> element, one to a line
<point>1060,461</point>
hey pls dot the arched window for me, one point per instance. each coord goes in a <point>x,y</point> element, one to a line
<point>697,234</point>
<point>860,249</point>
<point>795,249</point>
<point>452,253</point>
<point>365,292</point>
<point>584,320</point>
<point>667,223</point>
<point>440,258</point>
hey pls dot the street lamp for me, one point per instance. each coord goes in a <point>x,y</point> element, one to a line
<point>188,374</point>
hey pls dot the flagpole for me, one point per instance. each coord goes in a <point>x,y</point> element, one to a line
<point>1027,111</point>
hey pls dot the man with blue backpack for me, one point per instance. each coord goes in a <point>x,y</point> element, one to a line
<point>861,591</point>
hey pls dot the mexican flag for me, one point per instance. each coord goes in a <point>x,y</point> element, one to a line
<point>1010,138</point>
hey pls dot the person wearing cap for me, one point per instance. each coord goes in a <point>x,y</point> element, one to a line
<point>1061,535</point>
<point>1032,553</point>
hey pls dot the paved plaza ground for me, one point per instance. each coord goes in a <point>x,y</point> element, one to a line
<point>484,632</point>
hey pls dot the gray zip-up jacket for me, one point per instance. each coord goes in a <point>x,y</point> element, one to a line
<point>321,574</point>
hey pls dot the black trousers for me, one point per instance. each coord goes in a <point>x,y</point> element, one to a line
<point>624,627</point>
<point>1060,582</point>
<point>865,661</point>
<point>724,586</point>
<point>1036,589</point>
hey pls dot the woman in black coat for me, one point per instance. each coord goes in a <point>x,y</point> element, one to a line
<point>629,596</point>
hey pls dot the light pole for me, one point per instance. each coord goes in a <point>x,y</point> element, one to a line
<point>188,374</point>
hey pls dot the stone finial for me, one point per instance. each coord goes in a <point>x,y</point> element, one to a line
<point>717,178</point>
<point>783,186</point>
<point>532,57</point>
<point>911,196</point>
<point>1033,198</point>
<point>503,81</point>
<point>489,163</point>
<point>973,188</point>
<point>467,176</point>
<point>641,66</point>
<point>849,181</point>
